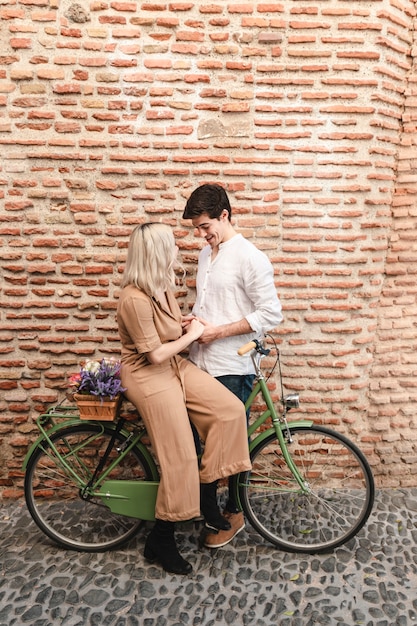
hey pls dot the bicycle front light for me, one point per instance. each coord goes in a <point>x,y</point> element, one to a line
<point>292,401</point>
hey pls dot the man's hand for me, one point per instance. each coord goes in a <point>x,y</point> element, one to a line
<point>210,332</point>
<point>194,329</point>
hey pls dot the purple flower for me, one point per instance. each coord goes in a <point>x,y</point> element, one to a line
<point>99,378</point>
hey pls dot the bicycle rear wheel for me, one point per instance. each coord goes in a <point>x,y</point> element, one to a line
<point>335,506</point>
<point>54,498</point>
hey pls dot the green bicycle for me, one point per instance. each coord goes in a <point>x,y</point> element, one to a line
<point>91,485</point>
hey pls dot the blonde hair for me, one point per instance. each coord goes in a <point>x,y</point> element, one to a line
<point>150,258</point>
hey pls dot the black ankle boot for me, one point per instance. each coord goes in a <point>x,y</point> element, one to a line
<point>160,546</point>
<point>210,508</point>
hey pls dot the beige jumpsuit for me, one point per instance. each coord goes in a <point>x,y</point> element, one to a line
<point>171,394</point>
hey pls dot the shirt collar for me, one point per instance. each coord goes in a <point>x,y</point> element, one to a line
<point>225,244</point>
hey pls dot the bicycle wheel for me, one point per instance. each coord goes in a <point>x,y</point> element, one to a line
<point>54,498</point>
<point>334,507</point>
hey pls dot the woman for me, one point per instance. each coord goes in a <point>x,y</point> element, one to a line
<point>169,391</point>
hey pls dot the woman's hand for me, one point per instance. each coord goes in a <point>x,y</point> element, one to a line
<point>191,332</point>
<point>186,320</point>
<point>194,329</point>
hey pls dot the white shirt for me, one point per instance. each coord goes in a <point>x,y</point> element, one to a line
<point>238,284</point>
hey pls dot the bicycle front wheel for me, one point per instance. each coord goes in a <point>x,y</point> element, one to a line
<point>332,507</point>
<point>54,498</point>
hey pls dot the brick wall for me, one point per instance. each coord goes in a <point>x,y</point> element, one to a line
<point>392,382</point>
<point>112,112</point>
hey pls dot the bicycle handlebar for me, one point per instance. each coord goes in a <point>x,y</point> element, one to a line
<point>253,345</point>
<point>248,346</point>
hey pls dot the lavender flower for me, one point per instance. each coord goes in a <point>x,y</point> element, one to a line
<point>98,378</point>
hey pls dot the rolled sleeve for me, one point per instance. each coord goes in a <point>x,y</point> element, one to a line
<point>137,319</point>
<point>261,291</point>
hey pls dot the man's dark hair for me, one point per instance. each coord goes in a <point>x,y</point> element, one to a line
<point>210,199</point>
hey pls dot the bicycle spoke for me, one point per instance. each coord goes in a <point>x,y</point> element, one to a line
<point>332,508</point>
<point>58,473</point>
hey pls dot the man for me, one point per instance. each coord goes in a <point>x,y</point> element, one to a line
<point>236,302</point>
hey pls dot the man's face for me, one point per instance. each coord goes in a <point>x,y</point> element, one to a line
<point>212,229</point>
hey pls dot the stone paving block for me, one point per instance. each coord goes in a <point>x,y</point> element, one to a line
<point>370,581</point>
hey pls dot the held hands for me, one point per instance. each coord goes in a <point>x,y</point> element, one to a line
<point>194,328</point>
<point>210,333</point>
<point>186,320</point>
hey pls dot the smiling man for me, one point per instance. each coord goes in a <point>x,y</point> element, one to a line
<point>236,302</point>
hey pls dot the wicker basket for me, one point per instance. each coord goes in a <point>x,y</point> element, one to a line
<point>95,408</point>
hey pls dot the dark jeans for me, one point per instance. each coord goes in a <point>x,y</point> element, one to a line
<point>241,386</point>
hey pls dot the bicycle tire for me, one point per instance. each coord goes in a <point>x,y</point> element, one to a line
<point>54,499</point>
<point>336,505</point>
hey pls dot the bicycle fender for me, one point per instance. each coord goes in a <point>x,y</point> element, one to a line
<point>68,423</point>
<point>271,431</point>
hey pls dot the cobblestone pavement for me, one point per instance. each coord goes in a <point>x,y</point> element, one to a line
<point>371,581</point>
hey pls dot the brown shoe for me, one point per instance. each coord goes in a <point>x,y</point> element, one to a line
<point>217,540</point>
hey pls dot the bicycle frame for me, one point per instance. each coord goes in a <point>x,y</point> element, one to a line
<point>279,426</point>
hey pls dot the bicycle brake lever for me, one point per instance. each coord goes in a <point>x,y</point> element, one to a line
<point>260,348</point>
